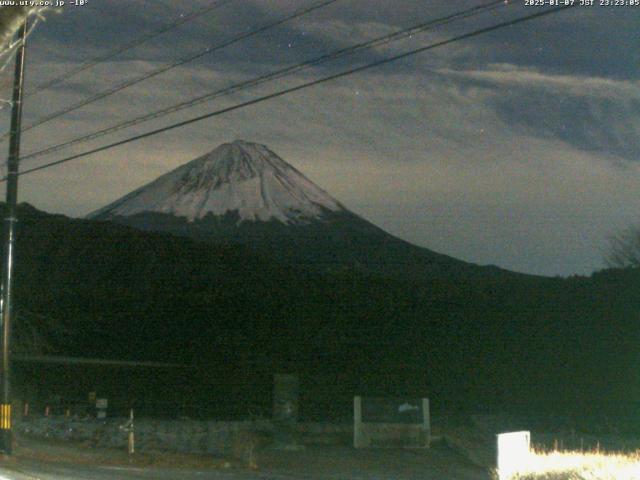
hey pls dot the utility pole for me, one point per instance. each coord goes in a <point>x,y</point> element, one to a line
<point>6,307</point>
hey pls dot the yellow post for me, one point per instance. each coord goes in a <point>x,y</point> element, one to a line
<point>5,416</point>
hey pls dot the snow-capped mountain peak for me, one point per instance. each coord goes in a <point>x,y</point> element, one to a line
<point>243,177</point>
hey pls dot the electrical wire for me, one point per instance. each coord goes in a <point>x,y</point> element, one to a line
<point>13,46</point>
<point>383,40</point>
<point>129,83</point>
<point>128,46</point>
<point>287,91</point>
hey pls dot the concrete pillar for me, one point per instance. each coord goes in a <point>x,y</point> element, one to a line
<point>359,439</point>
<point>286,391</point>
<point>426,418</point>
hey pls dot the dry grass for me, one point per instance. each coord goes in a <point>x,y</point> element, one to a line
<point>81,454</point>
<point>244,448</point>
<point>579,466</point>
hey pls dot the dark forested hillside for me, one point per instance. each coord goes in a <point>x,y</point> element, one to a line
<point>112,291</point>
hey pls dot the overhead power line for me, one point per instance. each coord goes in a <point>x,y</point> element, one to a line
<point>129,83</point>
<point>280,93</point>
<point>94,361</point>
<point>376,42</point>
<point>128,46</point>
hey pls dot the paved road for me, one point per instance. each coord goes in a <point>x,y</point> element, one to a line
<point>322,463</point>
<point>35,471</point>
<point>48,471</point>
<point>81,472</point>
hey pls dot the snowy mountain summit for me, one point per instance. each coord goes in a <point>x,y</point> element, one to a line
<point>241,178</point>
<point>245,195</point>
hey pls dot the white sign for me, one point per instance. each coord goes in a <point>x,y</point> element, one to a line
<point>514,450</point>
<point>102,403</point>
<point>406,407</point>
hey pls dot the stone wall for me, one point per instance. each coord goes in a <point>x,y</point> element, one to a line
<point>186,436</point>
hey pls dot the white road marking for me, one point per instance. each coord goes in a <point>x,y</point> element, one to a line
<point>126,469</point>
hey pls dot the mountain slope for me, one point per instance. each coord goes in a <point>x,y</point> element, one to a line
<point>513,341</point>
<point>244,193</point>
<point>241,177</point>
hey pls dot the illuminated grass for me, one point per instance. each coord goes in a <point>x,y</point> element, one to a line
<point>579,466</point>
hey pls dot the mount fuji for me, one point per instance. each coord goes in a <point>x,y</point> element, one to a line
<point>239,177</point>
<point>243,192</point>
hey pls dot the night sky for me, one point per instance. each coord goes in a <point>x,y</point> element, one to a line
<point>517,148</point>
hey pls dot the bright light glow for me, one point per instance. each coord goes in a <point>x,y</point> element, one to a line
<point>578,466</point>
<point>514,452</point>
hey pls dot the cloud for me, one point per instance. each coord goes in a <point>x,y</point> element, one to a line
<point>427,157</point>
<point>591,113</point>
<point>509,75</point>
<point>460,150</point>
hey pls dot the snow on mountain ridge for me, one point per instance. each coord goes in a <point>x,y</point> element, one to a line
<point>244,177</point>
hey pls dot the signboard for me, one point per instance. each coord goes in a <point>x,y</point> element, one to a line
<point>102,403</point>
<point>514,450</point>
<point>392,410</point>
<point>391,422</point>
